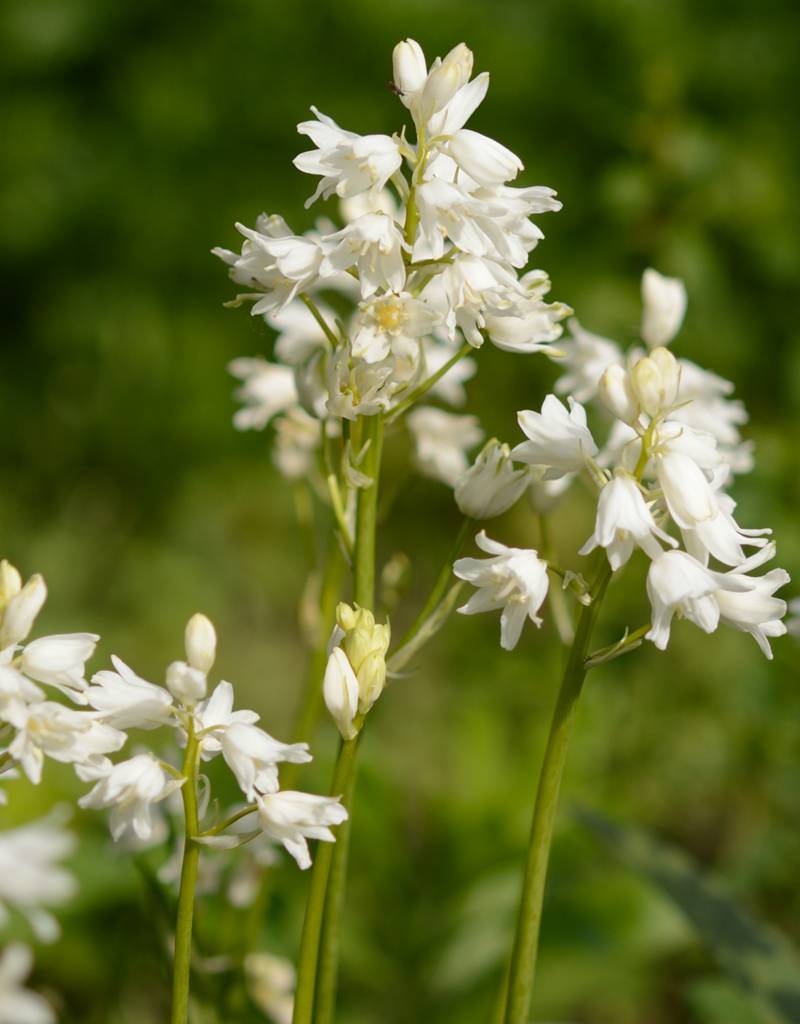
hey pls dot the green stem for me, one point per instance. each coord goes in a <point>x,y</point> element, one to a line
<point>367,516</point>
<point>556,597</point>
<point>426,385</point>
<point>526,938</point>
<point>323,323</point>
<point>191,858</point>
<point>315,907</point>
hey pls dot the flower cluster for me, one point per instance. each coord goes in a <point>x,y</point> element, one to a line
<point>672,450</point>
<point>429,258</point>
<point>118,700</point>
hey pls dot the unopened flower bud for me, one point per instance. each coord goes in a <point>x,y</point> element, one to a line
<point>10,583</point>
<point>340,690</point>
<point>410,70</point>
<point>664,301</point>
<point>371,680</point>
<point>491,485</point>
<point>445,79</point>
<point>201,643</point>
<point>346,616</point>
<point>186,684</point>
<point>655,380</point>
<point>21,611</point>
<point>616,393</point>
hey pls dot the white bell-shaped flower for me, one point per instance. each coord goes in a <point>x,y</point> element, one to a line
<point>253,756</point>
<point>60,661</point>
<point>664,300</point>
<point>340,690</point>
<point>292,818</point>
<point>374,245</point>
<point>130,788</point>
<point>513,579</point>
<point>266,390</point>
<point>623,520</point>
<point>491,485</point>
<point>558,438</point>
<point>126,701</point>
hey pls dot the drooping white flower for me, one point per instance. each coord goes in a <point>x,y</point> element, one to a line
<point>483,159</point>
<point>126,701</point>
<point>267,389</point>
<point>52,730</point>
<point>442,440</point>
<point>664,300</point>
<point>721,536</point>
<point>676,582</point>
<point>757,611</point>
<point>274,264</point>
<point>31,877</point>
<point>387,319</point>
<point>514,579</point>
<point>687,491</point>
<point>347,163</point>
<point>292,818</point>
<point>624,520</point>
<point>340,690</point>
<point>558,437</point>
<point>253,756</point>
<point>526,323</point>
<point>465,289</point>
<point>491,485</point>
<point>130,788</point>
<point>271,983</point>
<point>298,437</point>
<point>18,1005</point>
<point>374,245</point>
<point>213,716</point>
<point>60,661</point>
<point>585,357</point>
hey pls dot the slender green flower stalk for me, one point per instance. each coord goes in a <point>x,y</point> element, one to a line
<point>526,937</point>
<point>191,859</point>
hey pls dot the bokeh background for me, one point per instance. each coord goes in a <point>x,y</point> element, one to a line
<point>132,136</point>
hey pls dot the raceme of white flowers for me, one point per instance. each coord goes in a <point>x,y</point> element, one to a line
<point>118,700</point>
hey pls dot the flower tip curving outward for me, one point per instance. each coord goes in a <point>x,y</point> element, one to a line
<point>664,300</point>
<point>514,579</point>
<point>293,818</point>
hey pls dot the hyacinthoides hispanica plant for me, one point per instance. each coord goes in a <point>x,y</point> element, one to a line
<point>431,264</point>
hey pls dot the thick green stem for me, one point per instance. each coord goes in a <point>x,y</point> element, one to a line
<point>191,859</point>
<point>315,907</point>
<point>526,938</point>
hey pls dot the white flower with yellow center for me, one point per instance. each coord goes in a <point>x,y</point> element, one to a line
<point>384,320</point>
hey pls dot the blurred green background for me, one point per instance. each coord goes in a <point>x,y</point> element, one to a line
<point>132,136</point>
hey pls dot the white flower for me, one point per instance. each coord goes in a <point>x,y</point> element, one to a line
<point>356,387</point>
<point>721,536</point>
<point>31,877</point>
<point>71,737</point>
<point>482,158</point>
<point>491,485</point>
<point>558,438</point>
<point>292,818</point>
<point>410,70</point>
<point>201,643</point>
<point>442,440</point>
<point>15,690</point>
<point>586,356</point>
<point>465,289</point>
<point>676,582</point>
<point>526,323</point>
<point>704,405</point>
<point>213,716</point>
<point>275,264</point>
<point>624,520</point>
<point>373,245</point>
<point>187,684</point>
<point>388,318</point>
<point>664,301</point>
<point>130,788</point>
<point>348,163</point>
<point>60,661</point>
<point>126,701</point>
<point>616,393</point>
<point>340,690</point>
<point>687,491</point>
<point>267,389</point>
<point>297,439</point>
<point>756,611</point>
<point>271,982</point>
<point>21,610</point>
<point>18,1005</point>
<point>513,579</point>
<point>253,755</point>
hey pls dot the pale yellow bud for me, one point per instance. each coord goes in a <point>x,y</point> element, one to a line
<point>21,611</point>
<point>201,643</point>
<point>10,582</point>
<point>345,616</point>
<point>655,381</point>
<point>616,393</point>
<point>371,680</point>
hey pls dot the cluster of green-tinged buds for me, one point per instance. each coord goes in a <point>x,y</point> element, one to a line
<point>425,91</point>
<point>650,386</point>
<point>356,671</point>
<point>19,605</point>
